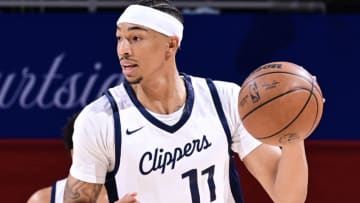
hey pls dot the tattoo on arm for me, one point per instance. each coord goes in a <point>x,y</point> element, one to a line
<point>81,192</point>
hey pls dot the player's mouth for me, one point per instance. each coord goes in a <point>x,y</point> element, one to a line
<point>128,68</point>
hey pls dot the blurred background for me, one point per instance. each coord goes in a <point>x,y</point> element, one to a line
<point>56,56</point>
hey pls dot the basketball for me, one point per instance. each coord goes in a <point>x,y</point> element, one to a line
<point>280,103</point>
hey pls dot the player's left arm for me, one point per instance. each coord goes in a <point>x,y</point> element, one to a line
<point>282,173</point>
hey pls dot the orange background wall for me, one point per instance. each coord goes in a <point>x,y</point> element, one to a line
<point>27,165</point>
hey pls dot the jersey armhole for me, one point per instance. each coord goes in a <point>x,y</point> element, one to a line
<point>110,182</point>
<point>233,172</point>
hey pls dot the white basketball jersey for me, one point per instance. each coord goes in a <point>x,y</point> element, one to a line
<point>187,162</point>
<point>57,191</point>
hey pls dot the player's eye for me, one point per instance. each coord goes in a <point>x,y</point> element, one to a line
<point>136,38</point>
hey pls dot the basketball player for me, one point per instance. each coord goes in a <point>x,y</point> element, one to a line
<point>55,193</point>
<point>169,136</point>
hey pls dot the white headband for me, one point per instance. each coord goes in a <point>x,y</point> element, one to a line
<point>153,19</point>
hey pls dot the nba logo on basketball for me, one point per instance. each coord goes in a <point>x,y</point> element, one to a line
<point>254,93</point>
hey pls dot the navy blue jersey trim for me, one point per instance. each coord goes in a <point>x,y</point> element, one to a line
<point>233,172</point>
<point>53,193</point>
<point>185,116</point>
<point>110,182</point>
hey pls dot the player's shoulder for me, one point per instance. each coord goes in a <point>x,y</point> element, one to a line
<point>223,87</point>
<point>100,109</point>
<point>102,104</point>
<point>220,84</point>
<point>226,85</point>
<point>228,92</point>
<point>41,196</point>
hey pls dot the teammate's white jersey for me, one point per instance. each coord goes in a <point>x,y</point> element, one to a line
<point>185,162</point>
<point>57,191</point>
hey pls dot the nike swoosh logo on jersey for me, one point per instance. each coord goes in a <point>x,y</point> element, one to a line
<point>129,132</point>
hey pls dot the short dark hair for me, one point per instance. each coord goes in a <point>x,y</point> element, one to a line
<point>164,6</point>
<point>68,131</point>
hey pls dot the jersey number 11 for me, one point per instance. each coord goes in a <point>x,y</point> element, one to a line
<point>194,188</point>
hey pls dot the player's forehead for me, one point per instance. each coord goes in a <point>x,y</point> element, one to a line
<point>128,27</point>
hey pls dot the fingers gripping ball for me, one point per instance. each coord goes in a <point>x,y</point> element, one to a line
<point>280,103</point>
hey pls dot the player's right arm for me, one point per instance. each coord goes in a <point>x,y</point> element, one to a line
<point>93,155</point>
<point>81,192</point>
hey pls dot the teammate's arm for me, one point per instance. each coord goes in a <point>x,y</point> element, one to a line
<point>40,196</point>
<point>81,192</point>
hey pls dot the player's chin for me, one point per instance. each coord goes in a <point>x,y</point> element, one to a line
<point>133,80</point>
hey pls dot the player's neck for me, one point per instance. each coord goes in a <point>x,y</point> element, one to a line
<point>164,95</point>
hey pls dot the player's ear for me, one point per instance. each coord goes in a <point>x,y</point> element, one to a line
<point>173,43</point>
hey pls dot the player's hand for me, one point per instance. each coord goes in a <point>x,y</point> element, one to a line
<point>129,198</point>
